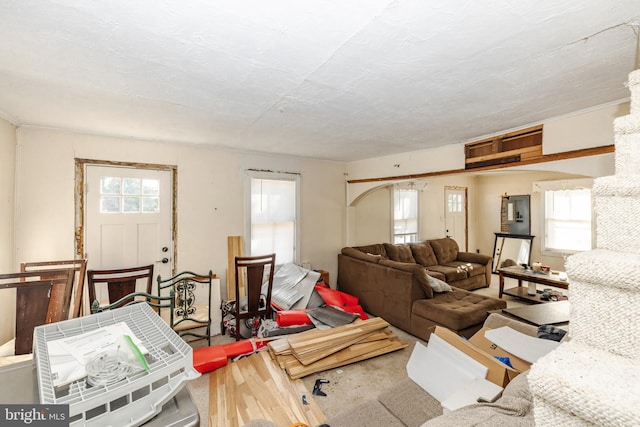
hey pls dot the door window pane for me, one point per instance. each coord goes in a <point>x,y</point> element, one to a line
<point>130,204</point>
<point>110,204</point>
<point>150,187</point>
<point>150,204</point>
<point>131,186</point>
<point>109,185</point>
<point>128,195</point>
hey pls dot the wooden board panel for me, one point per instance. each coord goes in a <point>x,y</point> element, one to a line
<point>234,249</point>
<point>313,351</point>
<point>353,354</point>
<point>254,388</point>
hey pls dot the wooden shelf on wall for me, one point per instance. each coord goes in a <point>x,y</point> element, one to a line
<point>510,148</point>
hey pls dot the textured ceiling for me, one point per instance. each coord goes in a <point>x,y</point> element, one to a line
<point>340,80</point>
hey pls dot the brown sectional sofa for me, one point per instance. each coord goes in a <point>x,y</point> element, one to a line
<point>392,281</point>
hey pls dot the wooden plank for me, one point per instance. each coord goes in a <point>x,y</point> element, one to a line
<point>253,388</point>
<point>234,249</point>
<point>313,345</point>
<point>348,356</point>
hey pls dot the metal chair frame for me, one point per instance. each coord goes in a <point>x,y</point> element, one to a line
<point>183,319</point>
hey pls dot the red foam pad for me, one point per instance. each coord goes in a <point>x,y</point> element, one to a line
<point>292,317</point>
<point>208,359</point>
<point>334,297</point>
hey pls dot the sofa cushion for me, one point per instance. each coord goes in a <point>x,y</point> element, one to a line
<point>446,249</point>
<point>451,273</point>
<point>356,253</point>
<point>423,254</point>
<point>458,309</point>
<point>418,271</point>
<point>401,253</point>
<point>471,269</point>
<point>375,249</point>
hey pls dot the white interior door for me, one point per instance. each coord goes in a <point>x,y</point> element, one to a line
<point>128,219</point>
<point>455,214</point>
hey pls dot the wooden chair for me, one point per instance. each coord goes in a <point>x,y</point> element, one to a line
<point>119,282</point>
<point>41,297</point>
<point>135,298</point>
<point>188,315</point>
<point>258,303</point>
<point>80,267</point>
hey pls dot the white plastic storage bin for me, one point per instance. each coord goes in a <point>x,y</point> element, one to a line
<point>133,400</point>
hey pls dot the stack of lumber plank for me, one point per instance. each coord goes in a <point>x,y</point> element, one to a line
<point>317,350</point>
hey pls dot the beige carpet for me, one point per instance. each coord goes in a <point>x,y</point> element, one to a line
<point>348,385</point>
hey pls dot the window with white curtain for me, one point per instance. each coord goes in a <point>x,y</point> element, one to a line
<point>405,214</point>
<point>273,225</point>
<point>567,216</point>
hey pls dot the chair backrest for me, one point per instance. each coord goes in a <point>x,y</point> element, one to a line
<point>119,282</point>
<point>80,267</point>
<point>253,269</point>
<point>188,316</point>
<point>41,297</point>
<point>184,285</point>
<point>134,298</point>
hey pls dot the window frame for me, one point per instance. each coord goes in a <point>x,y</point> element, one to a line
<point>404,187</point>
<point>276,176</point>
<point>542,187</point>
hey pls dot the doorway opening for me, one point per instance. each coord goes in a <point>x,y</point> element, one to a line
<point>81,181</point>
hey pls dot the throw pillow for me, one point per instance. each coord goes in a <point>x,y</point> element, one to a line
<point>438,285</point>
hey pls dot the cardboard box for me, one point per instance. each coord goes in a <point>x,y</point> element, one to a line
<point>481,342</point>
<point>498,373</point>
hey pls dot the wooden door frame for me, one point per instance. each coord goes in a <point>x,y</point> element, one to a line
<point>466,210</point>
<point>80,196</point>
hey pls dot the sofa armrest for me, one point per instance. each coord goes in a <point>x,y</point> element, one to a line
<point>363,256</point>
<point>485,260</point>
<point>473,257</point>
<point>383,291</point>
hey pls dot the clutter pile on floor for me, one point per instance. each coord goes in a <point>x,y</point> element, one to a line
<point>317,350</point>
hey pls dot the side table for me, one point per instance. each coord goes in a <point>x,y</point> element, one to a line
<point>520,274</point>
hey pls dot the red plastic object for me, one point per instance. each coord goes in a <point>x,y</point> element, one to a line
<point>336,298</point>
<point>208,359</point>
<point>292,317</point>
<point>342,300</point>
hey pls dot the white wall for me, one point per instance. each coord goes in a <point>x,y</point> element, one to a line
<point>7,192</point>
<point>210,197</point>
<point>581,130</point>
<point>7,189</point>
<point>369,211</point>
